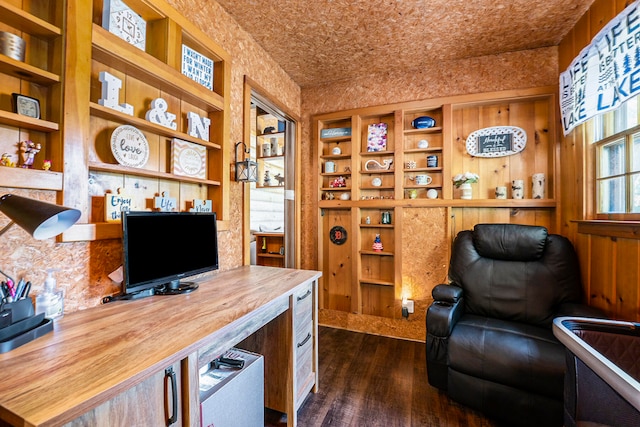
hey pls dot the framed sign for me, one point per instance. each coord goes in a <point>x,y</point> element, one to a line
<point>197,67</point>
<point>129,146</point>
<point>26,106</point>
<point>496,141</point>
<point>122,21</point>
<point>189,159</point>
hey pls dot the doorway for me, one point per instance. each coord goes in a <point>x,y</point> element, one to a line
<point>270,206</point>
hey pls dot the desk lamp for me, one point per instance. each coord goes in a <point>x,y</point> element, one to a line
<point>40,219</point>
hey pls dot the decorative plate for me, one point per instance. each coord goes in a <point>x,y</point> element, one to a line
<point>423,122</point>
<point>338,235</point>
<point>496,141</point>
<point>129,146</point>
<point>376,182</point>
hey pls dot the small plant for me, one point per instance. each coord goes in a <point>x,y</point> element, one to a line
<point>465,178</point>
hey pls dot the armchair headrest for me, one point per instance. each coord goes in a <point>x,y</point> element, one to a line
<point>511,242</point>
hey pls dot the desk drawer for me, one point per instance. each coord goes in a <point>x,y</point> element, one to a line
<point>303,304</point>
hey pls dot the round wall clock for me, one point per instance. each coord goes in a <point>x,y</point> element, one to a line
<point>338,235</point>
<point>129,146</point>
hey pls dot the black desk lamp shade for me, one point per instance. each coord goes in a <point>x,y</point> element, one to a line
<point>40,219</point>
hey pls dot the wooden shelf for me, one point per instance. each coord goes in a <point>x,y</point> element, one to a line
<point>337,139</point>
<point>376,225</point>
<point>271,135</point>
<point>438,169</point>
<point>335,156</point>
<point>27,22</point>
<point>376,282</point>
<point>335,173</point>
<point>106,167</point>
<point>375,172</point>
<point>280,157</point>
<point>24,71</point>
<point>26,122</point>
<point>423,150</point>
<point>111,114</point>
<point>263,255</point>
<point>30,178</point>
<point>117,53</point>
<point>372,252</point>
<point>377,153</point>
<point>434,129</point>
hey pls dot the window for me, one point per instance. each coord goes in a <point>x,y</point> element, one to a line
<point>617,138</point>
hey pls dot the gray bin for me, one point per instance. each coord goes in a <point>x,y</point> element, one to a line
<point>232,397</point>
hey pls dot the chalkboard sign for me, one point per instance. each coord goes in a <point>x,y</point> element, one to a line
<point>495,143</point>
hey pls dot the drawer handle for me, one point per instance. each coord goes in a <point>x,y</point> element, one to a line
<point>305,295</point>
<point>304,341</point>
<point>170,378</point>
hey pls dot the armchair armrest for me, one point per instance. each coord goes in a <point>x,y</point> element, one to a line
<point>445,311</point>
<point>442,315</point>
<point>447,293</point>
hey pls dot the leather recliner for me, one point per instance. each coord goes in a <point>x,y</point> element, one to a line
<point>490,344</point>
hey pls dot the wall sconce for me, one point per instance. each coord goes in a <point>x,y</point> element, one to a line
<point>246,170</point>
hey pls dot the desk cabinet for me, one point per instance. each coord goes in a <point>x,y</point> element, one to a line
<point>149,403</point>
<point>105,366</point>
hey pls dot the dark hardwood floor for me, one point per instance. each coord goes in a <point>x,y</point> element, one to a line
<point>368,381</point>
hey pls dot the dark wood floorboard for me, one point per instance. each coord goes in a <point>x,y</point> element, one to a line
<point>372,381</point>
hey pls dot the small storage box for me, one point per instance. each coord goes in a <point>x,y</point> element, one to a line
<point>233,397</point>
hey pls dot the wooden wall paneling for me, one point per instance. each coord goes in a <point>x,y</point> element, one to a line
<point>627,304</point>
<point>602,259</point>
<point>378,300</point>
<point>337,262</point>
<point>491,170</point>
<point>600,13</point>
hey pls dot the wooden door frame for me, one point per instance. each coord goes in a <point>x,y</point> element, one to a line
<point>250,88</point>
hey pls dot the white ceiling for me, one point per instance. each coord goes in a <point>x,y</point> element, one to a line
<point>319,41</point>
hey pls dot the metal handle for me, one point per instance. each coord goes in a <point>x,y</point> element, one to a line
<point>305,295</point>
<point>171,376</point>
<point>304,341</point>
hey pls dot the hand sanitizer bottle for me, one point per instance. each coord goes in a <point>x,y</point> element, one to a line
<point>51,300</point>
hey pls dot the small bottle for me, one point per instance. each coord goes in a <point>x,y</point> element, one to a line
<point>51,300</point>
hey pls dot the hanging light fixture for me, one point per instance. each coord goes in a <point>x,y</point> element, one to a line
<point>246,170</point>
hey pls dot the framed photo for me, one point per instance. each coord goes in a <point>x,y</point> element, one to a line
<point>26,106</point>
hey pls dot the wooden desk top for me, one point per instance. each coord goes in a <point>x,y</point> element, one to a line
<point>95,354</point>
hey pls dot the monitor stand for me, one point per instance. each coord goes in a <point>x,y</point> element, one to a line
<point>135,295</point>
<point>176,287</point>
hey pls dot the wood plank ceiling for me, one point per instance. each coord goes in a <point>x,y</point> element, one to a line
<point>319,41</point>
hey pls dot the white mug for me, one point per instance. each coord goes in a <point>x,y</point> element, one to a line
<point>501,192</point>
<point>329,167</point>
<point>423,179</point>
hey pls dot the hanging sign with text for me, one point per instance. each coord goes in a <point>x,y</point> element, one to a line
<point>605,74</point>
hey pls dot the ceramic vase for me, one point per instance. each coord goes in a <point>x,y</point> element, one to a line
<point>466,191</point>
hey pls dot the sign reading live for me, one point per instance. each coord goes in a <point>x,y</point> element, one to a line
<point>606,73</point>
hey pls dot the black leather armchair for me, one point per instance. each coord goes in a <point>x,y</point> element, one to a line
<point>490,343</point>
